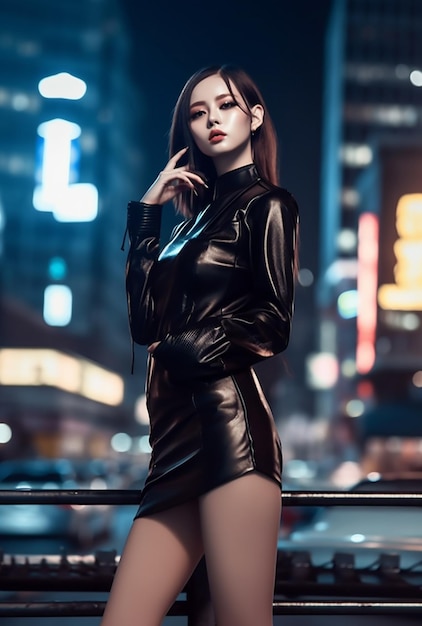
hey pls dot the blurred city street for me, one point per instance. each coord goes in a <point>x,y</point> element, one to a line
<point>87,88</point>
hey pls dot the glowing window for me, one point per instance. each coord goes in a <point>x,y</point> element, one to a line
<point>57,268</point>
<point>356,155</point>
<point>57,309</point>
<point>62,85</point>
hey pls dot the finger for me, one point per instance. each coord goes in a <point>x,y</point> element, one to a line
<point>175,158</point>
<point>183,179</point>
<point>169,176</point>
<point>197,178</point>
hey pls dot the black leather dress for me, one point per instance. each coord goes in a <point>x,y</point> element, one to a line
<point>219,298</point>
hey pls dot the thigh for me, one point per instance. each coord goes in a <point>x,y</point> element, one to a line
<point>240,524</point>
<point>160,554</point>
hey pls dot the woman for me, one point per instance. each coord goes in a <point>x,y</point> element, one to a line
<point>215,300</point>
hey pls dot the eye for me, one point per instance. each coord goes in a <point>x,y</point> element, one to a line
<point>228,104</point>
<point>196,114</point>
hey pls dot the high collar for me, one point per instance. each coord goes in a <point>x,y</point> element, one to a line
<point>235,179</point>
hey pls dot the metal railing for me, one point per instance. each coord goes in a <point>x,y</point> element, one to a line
<point>131,496</point>
<point>392,590</point>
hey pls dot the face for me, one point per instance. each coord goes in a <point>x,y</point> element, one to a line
<point>220,128</point>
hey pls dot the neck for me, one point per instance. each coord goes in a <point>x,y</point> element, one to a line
<point>227,162</point>
<point>234,180</point>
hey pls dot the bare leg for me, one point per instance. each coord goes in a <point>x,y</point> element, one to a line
<point>160,554</point>
<point>240,523</point>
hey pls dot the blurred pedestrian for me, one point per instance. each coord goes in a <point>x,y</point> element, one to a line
<point>214,301</point>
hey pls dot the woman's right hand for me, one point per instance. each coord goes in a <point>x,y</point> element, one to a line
<point>171,181</point>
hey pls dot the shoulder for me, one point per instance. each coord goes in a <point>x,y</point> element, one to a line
<point>270,199</point>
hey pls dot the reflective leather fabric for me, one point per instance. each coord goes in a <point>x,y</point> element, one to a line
<point>219,298</point>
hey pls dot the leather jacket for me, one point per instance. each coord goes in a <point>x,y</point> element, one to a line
<point>219,295</point>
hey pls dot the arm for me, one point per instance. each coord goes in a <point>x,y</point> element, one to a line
<point>143,223</point>
<point>143,227</point>
<point>223,345</point>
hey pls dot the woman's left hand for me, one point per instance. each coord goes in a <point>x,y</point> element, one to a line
<point>153,346</point>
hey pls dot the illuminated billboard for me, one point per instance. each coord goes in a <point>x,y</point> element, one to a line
<point>398,297</point>
<point>405,292</point>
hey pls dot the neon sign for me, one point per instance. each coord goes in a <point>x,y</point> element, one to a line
<point>405,294</point>
<point>367,290</point>
<point>57,174</point>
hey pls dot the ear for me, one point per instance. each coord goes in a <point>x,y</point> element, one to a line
<point>257,117</point>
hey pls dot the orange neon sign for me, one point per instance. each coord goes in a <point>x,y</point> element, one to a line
<point>405,294</point>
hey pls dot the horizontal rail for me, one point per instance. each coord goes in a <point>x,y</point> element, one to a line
<point>335,498</point>
<point>69,609</point>
<point>91,609</point>
<point>131,496</point>
<point>347,608</point>
<point>69,496</point>
<point>405,591</point>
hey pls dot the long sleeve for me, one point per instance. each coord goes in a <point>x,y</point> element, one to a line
<point>261,328</point>
<point>143,225</point>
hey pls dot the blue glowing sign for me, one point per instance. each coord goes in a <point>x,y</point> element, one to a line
<point>57,173</point>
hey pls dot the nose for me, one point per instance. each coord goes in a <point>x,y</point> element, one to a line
<point>213,118</point>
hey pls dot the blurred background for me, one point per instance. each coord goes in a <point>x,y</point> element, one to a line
<point>87,89</point>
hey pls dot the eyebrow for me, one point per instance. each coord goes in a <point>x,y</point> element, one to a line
<point>221,97</point>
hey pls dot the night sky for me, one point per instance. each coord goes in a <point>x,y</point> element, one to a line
<point>280,43</point>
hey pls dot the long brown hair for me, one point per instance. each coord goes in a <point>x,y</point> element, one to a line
<point>264,140</point>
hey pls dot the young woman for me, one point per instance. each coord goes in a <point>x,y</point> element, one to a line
<point>211,303</point>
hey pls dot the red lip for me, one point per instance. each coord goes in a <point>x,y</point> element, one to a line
<point>214,134</point>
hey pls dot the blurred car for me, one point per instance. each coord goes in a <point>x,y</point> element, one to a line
<point>79,523</point>
<point>95,473</point>
<point>375,528</point>
<point>360,551</point>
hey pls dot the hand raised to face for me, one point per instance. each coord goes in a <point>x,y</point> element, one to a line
<point>171,181</point>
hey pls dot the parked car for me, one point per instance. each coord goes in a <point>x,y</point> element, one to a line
<point>359,552</point>
<point>376,528</point>
<point>78,523</point>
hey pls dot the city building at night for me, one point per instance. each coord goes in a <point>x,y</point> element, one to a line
<point>69,159</point>
<point>370,292</point>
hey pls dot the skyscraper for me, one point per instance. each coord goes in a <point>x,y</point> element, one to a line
<point>372,97</point>
<point>69,158</point>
